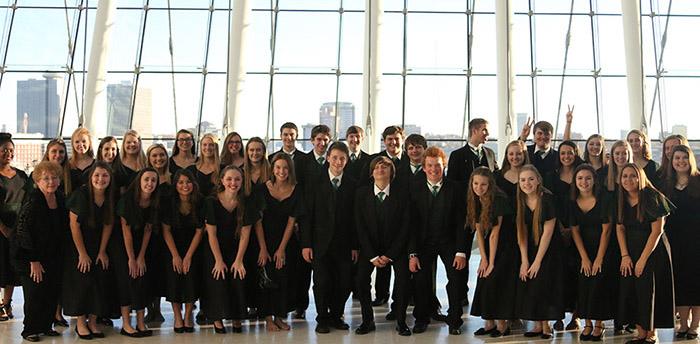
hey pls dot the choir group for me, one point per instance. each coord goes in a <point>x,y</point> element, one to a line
<point>109,230</point>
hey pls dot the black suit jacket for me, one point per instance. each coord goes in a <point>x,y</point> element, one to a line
<point>463,162</point>
<point>354,168</point>
<point>546,165</point>
<point>454,215</point>
<point>404,161</point>
<point>309,169</point>
<point>389,237</point>
<point>330,215</point>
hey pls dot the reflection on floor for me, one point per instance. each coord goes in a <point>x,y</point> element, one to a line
<point>303,330</point>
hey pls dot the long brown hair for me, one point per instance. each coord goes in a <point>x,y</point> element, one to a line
<point>521,201</point>
<point>240,196</point>
<point>226,156</point>
<point>108,205</point>
<point>646,145</point>
<point>486,201</point>
<point>623,194</point>
<point>666,165</point>
<point>669,183</point>
<point>248,166</point>
<point>587,156</point>
<point>612,177</point>
<point>523,149</point>
<point>65,166</point>
<point>292,178</point>
<point>574,189</point>
<point>193,200</point>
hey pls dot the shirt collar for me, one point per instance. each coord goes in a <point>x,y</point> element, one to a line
<point>392,157</point>
<point>546,151</point>
<point>386,191</point>
<point>438,184</point>
<point>475,148</point>
<point>290,153</point>
<point>414,167</point>
<point>316,156</point>
<point>331,176</point>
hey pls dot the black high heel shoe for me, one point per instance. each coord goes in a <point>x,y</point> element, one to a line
<point>599,337</point>
<point>60,322</point>
<point>83,336</point>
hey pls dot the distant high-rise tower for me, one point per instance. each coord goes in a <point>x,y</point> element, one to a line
<point>346,113</point>
<point>119,107</point>
<point>40,102</point>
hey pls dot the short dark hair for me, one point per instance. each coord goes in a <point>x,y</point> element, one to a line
<point>391,130</point>
<point>5,138</point>
<point>289,125</point>
<point>354,129</point>
<point>416,140</point>
<point>320,129</point>
<point>544,126</point>
<point>339,145</point>
<point>475,123</point>
<point>382,160</point>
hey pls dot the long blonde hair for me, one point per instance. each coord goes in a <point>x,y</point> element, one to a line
<point>611,179</point>
<point>77,133</point>
<point>141,160</point>
<point>217,161</point>
<point>521,201</point>
<point>486,201</point>
<point>165,171</point>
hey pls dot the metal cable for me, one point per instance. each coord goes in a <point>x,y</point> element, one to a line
<point>659,67</point>
<point>205,71</point>
<point>172,64</point>
<point>566,57</point>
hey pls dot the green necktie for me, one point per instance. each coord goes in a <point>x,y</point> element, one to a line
<point>321,160</point>
<point>380,196</point>
<point>435,190</point>
<point>353,157</point>
<point>335,182</point>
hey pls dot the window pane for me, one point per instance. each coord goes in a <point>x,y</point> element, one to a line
<point>437,43</point>
<point>352,43</point>
<point>483,101</point>
<point>258,50</point>
<point>125,40</point>
<point>680,56</point>
<point>391,48</point>
<point>254,103</point>
<point>307,40</point>
<point>578,92</point>
<point>39,40</point>
<point>310,4</point>
<point>484,45</point>
<point>189,30</point>
<point>214,105</point>
<point>436,104</point>
<point>614,107</point>
<point>611,45</point>
<point>390,108</point>
<point>438,5</point>
<point>218,43</point>
<point>550,45</point>
<point>559,6</point>
<point>521,44</point>
<point>154,103</point>
<point>349,103</point>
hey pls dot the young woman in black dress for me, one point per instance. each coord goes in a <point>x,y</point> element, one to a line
<point>280,208</point>
<point>228,220</point>
<point>232,151</point>
<point>157,157</point>
<point>594,152</point>
<point>646,287</point>
<point>683,189</point>
<point>206,169</point>
<point>641,149</point>
<point>138,212</point>
<point>85,272</point>
<point>81,159</point>
<point>183,152</point>
<point>540,292</point>
<point>182,230</point>
<point>591,225</point>
<point>132,157</point>
<point>42,225</point>
<point>13,188</point>
<point>494,297</point>
<point>668,144</point>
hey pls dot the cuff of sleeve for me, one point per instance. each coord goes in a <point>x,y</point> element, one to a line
<point>373,259</point>
<point>461,254</point>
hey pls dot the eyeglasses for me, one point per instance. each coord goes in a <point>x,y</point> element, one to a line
<point>8,151</point>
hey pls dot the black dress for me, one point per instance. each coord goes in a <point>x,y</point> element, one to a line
<point>204,181</point>
<point>597,297</point>
<point>158,256</point>
<point>542,298</point>
<point>85,294</point>
<point>275,214</point>
<point>12,192</point>
<point>494,297</point>
<point>134,292</point>
<point>683,230</point>
<point>651,170</point>
<point>79,177</point>
<point>173,167</point>
<point>224,298</point>
<point>647,300</point>
<point>183,288</point>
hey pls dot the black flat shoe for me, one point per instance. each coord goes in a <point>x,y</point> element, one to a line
<point>105,321</point>
<point>365,328</point>
<point>32,338</point>
<point>188,329</point>
<point>484,332</point>
<point>52,333</point>
<point>237,329</point>
<point>60,322</point>
<point>437,316</point>
<point>455,331</point>
<point>145,333</point>
<point>390,316</point>
<point>322,328</point>
<point>691,336</point>
<point>220,330</point>
<point>531,334</point>
<point>97,334</point>
<point>128,334</point>
<point>340,325</point>
<point>558,325</point>
<point>635,341</point>
<point>180,329</point>
<point>546,335</point>
<point>496,333</point>
<point>420,327</point>
<point>83,336</point>
<point>681,334</point>
<point>403,330</point>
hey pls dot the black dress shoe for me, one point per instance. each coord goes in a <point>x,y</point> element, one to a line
<point>340,325</point>
<point>188,329</point>
<point>635,341</point>
<point>403,330</point>
<point>201,318</point>
<point>52,333</point>
<point>531,334</point>
<point>32,338</point>
<point>437,316</point>
<point>365,328</point>
<point>455,331</point>
<point>145,333</point>
<point>390,316</point>
<point>220,330</point>
<point>322,328</point>
<point>136,334</point>
<point>420,327</point>
<point>380,301</point>
<point>299,314</point>
<point>483,332</point>
<point>496,333</point>
<point>180,329</point>
<point>60,322</point>
<point>81,336</point>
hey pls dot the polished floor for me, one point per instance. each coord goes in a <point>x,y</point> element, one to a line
<point>303,331</point>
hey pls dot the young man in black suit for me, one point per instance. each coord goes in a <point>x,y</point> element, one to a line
<point>393,142</point>
<point>542,155</point>
<point>381,213</point>
<point>308,167</point>
<point>438,219</point>
<point>465,160</point>
<point>329,238</point>
<point>358,158</point>
<point>288,134</point>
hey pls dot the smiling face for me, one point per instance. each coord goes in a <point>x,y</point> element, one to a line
<point>433,167</point>
<point>381,173</point>
<point>668,147</point>
<point>289,138</point>
<point>354,141</point>
<point>621,156</point>
<point>281,170</point>
<point>149,181</point>
<point>232,181</point>
<point>48,182</point>
<point>594,147</point>
<point>415,153</point>
<point>7,153</point>
<point>629,179</point>
<point>184,186</point>
<point>234,144</point>
<point>516,156</point>
<point>528,181</point>
<point>132,145</point>
<point>100,179</point>
<point>81,144</point>
<point>109,151</point>
<point>255,152</point>
<point>320,143</point>
<point>56,153</point>
<point>157,157</point>
<point>480,185</point>
<point>184,142</point>
<point>393,143</point>
<point>542,138</point>
<point>337,159</point>
<point>208,147</point>
<point>635,142</point>
<point>567,156</point>
<point>681,162</point>
<point>584,181</point>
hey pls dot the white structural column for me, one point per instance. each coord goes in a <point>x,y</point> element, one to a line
<point>372,73</point>
<point>240,24</point>
<point>633,58</point>
<point>94,118</point>
<point>505,74</point>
